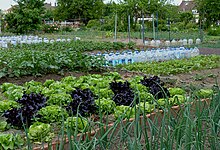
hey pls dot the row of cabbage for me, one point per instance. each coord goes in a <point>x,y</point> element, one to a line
<point>71,101</point>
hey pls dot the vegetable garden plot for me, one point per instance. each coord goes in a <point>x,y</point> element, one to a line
<point>69,104</point>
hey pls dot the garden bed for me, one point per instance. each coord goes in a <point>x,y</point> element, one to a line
<point>99,84</point>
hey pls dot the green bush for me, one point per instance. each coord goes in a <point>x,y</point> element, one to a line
<point>191,25</point>
<point>94,24</point>
<point>50,29</point>
<point>67,29</point>
<point>179,25</point>
<point>214,31</point>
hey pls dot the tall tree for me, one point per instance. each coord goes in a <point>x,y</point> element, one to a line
<point>26,16</point>
<point>209,10</point>
<point>80,9</point>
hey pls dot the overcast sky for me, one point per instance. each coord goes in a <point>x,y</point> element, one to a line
<point>5,4</point>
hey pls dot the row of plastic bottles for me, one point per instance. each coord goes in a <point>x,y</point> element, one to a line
<point>181,42</point>
<point>14,40</point>
<point>127,57</point>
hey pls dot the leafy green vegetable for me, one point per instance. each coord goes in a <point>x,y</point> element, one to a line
<point>145,107</point>
<point>124,112</point>
<point>176,91</point>
<point>76,123</point>
<point>40,132</point>
<point>61,99</point>
<point>3,125</point>
<point>47,83</point>
<point>52,114</point>
<point>10,141</point>
<point>177,99</point>
<point>7,104</point>
<point>13,92</point>
<point>175,66</point>
<point>106,105</point>
<point>205,93</point>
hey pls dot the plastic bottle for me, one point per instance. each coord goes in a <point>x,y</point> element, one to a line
<point>190,42</point>
<point>123,58</point>
<point>110,59</point>
<point>130,57</point>
<point>184,42</point>
<point>167,43</point>
<point>136,56</point>
<point>52,41</point>
<point>157,43</point>
<point>142,56</point>
<point>173,42</point>
<point>198,41</point>
<point>153,43</point>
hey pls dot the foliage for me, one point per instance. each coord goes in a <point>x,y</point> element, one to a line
<point>40,132</point>
<point>145,107</point>
<point>61,99</point>
<point>209,11</point>
<point>50,29</point>
<point>3,125</point>
<point>177,99</point>
<point>214,31</point>
<point>176,66</point>
<point>123,94</point>
<point>156,87</point>
<point>106,105</point>
<point>7,105</point>
<point>83,102</point>
<point>80,9</point>
<point>124,112</point>
<point>204,93</point>
<point>186,17</point>
<point>26,17</point>
<point>176,91</point>
<point>52,114</point>
<point>78,124</point>
<point>30,104</point>
<point>10,141</point>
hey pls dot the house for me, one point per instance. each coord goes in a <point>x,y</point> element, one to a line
<point>189,6</point>
<point>48,6</point>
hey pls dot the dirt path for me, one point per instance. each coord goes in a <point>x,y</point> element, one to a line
<point>208,51</point>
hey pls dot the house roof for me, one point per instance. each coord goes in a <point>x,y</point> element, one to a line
<point>187,5</point>
<point>49,6</point>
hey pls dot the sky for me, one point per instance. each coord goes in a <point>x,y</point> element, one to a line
<point>6,4</point>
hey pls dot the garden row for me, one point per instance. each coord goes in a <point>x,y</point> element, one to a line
<point>67,105</point>
<point>170,67</point>
<point>60,57</point>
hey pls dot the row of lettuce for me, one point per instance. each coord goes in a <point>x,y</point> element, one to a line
<point>64,57</point>
<point>69,103</point>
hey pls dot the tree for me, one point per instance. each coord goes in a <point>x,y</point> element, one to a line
<point>186,17</point>
<point>209,11</point>
<point>80,9</point>
<point>25,17</point>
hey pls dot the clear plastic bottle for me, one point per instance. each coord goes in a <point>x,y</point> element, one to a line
<point>184,42</point>
<point>167,43</point>
<point>130,57</point>
<point>190,42</point>
<point>198,41</point>
<point>173,42</point>
<point>153,43</point>
<point>157,43</point>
